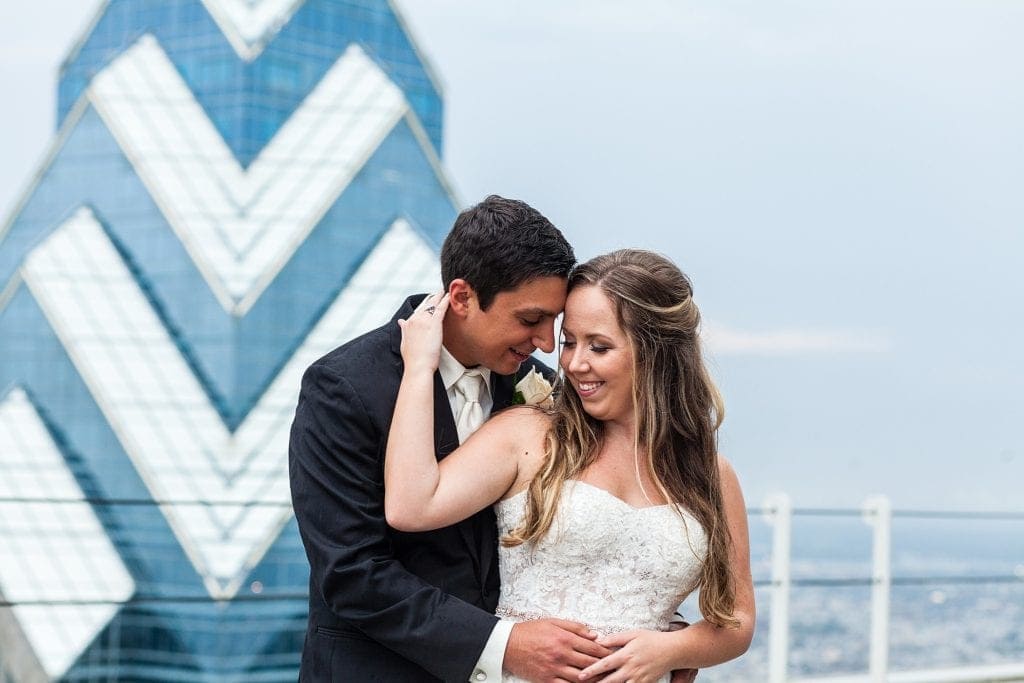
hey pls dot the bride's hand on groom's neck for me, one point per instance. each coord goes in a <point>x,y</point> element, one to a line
<point>423,334</point>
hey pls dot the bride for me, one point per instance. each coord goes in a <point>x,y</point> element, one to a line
<point>613,505</point>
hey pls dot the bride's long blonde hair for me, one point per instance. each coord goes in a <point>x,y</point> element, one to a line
<point>678,412</point>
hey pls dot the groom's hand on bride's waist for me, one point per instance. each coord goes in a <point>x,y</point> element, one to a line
<point>551,649</point>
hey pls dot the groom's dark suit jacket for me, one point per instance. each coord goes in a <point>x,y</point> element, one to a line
<point>383,605</point>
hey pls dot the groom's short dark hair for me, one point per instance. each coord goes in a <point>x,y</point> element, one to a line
<point>501,243</point>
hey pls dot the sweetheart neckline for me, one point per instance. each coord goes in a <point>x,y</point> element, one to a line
<point>609,494</point>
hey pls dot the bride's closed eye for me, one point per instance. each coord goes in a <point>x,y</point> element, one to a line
<point>596,348</point>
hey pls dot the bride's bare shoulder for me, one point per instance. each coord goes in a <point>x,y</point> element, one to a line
<point>524,429</point>
<point>521,428</point>
<point>524,422</point>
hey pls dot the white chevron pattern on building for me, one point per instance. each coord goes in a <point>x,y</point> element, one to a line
<point>241,226</point>
<point>250,24</point>
<point>52,551</point>
<point>179,445</point>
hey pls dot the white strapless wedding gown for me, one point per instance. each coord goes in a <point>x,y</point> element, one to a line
<point>603,563</point>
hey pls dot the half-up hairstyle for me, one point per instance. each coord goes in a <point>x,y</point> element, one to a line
<point>678,412</point>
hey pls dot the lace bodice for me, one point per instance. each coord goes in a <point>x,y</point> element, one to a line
<point>603,563</point>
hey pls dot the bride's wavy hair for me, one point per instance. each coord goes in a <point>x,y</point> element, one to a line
<point>678,412</point>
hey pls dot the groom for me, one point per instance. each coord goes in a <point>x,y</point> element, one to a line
<point>397,607</point>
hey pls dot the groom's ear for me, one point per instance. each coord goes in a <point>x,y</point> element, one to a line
<point>461,297</point>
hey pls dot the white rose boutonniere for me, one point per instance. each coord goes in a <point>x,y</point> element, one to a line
<point>534,390</point>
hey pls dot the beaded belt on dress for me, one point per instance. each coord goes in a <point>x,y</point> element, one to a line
<point>519,615</point>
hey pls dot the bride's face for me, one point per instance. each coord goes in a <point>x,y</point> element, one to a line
<point>596,355</point>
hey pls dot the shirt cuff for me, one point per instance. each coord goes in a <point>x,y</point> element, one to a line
<point>488,667</point>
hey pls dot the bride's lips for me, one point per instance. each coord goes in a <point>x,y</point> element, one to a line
<point>588,389</point>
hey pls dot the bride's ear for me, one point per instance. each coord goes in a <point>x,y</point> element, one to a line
<point>461,298</point>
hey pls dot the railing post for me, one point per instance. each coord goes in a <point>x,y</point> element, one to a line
<point>878,515</point>
<point>779,513</point>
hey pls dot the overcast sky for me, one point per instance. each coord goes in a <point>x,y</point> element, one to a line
<point>843,181</point>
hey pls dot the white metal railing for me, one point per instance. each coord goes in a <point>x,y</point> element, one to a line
<point>876,513</point>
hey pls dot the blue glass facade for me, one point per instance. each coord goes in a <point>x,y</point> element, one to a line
<point>160,291</point>
<point>249,100</point>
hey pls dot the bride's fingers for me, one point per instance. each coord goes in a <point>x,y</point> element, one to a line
<point>442,305</point>
<point>619,677</point>
<point>617,639</point>
<point>429,300</point>
<point>609,663</point>
<point>432,306</point>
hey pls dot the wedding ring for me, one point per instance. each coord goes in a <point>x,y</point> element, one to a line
<point>430,309</point>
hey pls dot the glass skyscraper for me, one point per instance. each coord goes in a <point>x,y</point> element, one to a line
<point>235,188</point>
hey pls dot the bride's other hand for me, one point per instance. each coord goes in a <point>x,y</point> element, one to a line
<point>641,657</point>
<point>682,675</point>
<point>423,332</point>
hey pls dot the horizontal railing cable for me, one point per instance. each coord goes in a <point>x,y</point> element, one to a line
<point>850,581</point>
<point>836,582</point>
<point>141,502</point>
<point>158,599</point>
<point>986,515</point>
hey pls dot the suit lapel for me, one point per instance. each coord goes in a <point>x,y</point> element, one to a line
<point>446,436</point>
<point>501,397</point>
<point>502,391</point>
<point>446,440</point>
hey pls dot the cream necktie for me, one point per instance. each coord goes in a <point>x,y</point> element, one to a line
<point>471,415</point>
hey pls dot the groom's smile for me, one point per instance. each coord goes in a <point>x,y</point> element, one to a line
<point>520,355</point>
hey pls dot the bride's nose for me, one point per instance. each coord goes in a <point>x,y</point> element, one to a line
<point>577,361</point>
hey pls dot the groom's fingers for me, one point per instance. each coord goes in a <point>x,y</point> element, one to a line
<point>585,646</point>
<point>585,653</point>
<point>593,651</point>
<point>579,629</point>
<point>548,649</point>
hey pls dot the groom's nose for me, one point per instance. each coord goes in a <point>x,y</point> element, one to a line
<point>544,339</point>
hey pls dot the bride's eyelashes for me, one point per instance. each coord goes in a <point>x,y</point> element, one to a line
<point>596,348</point>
